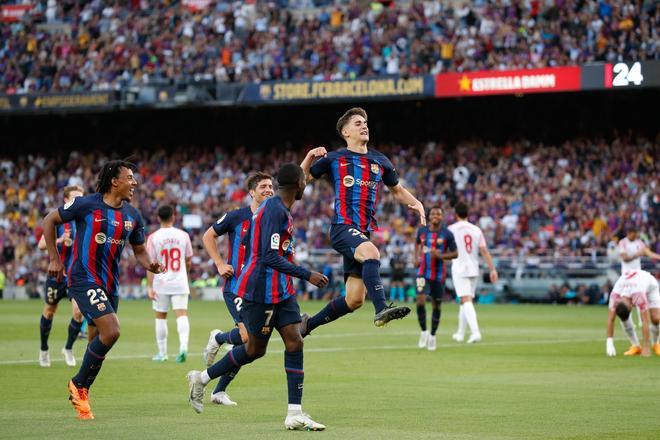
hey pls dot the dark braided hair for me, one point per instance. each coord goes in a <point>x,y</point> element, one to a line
<point>110,171</point>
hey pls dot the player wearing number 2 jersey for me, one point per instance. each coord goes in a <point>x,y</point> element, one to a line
<point>470,242</point>
<point>171,246</point>
<point>105,221</point>
<point>235,224</point>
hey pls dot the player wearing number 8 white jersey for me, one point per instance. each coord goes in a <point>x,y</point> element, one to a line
<point>470,242</point>
<point>171,246</point>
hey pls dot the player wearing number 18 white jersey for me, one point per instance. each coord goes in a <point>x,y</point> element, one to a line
<point>171,246</point>
<point>470,242</point>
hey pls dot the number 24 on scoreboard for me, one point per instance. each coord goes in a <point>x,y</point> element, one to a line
<point>620,75</point>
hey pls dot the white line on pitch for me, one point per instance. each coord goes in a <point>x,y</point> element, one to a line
<point>340,349</point>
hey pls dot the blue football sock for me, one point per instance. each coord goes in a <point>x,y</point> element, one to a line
<point>392,293</point>
<point>237,357</point>
<point>421,316</point>
<point>373,283</point>
<point>333,310</point>
<point>74,329</point>
<point>435,320</point>
<point>231,337</point>
<point>295,375</point>
<point>401,294</point>
<point>91,364</point>
<point>225,380</point>
<point>44,331</point>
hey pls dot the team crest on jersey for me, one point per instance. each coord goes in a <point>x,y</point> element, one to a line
<point>375,168</point>
<point>128,225</point>
<point>101,307</point>
<point>265,330</point>
<point>349,181</point>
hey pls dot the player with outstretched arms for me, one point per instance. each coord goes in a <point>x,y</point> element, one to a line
<point>236,225</point>
<point>268,299</point>
<point>470,242</point>
<point>57,290</point>
<point>640,289</point>
<point>171,246</point>
<point>356,173</point>
<point>105,222</point>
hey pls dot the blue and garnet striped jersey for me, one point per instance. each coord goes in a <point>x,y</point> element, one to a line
<point>430,267</point>
<point>266,277</point>
<point>356,180</point>
<point>102,232</point>
<point>236,225</point>
<point>65,248</point>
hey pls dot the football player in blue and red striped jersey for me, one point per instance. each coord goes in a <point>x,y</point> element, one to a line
<point>105,221</point>
<point>56,290</point>
<point>356,173</point>
<point>434,246</point>
<point>268,298</point>
<point>236,225</point>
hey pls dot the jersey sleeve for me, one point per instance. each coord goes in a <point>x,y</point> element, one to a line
<point>270,237</point>
<point>451,241</point>
<point>137,235</point>
<point>390,176</point>
<point>321,167</point>
<point>74,210</point>
<point>224,224</point>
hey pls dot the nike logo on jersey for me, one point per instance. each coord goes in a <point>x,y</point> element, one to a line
<point>97,220</point>
<point>346,164</point>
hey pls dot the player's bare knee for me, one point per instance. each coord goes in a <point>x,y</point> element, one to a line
<point>421,300</point>
<point>294,344</point>
<point>109,336</point>
<point>77,316</point>
<point>367,251</point>
<point>354,303</point>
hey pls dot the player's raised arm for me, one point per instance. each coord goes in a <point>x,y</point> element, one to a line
<point>649,253</point>
<point>319,167</point>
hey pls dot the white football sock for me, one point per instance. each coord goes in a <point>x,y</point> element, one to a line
<point>461,321</point>
<point>471,317</point>
<point>205,377</point>
<point>630,331</point>
<point>161,336</point>
<point>293,409</point>
<point>655,334</point>
<point>183,327</point>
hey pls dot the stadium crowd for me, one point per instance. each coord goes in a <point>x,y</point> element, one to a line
<point>74,45</point>
<point>531,200</point>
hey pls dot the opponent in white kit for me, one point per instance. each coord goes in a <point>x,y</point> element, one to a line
<point>636,288</point>
<point>631,250</point>
<point>470,242</point>
<point>170,246</point>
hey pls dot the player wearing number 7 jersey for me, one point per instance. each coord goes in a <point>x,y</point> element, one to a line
<point>269,299</point>
<point>171,246</point>
<point>470,242</point>
<point>105,222</point>
<point>235,224</point>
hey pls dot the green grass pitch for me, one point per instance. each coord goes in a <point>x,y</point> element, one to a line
<point>540,373</point>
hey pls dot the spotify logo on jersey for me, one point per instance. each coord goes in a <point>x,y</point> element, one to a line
<point>100,238</point>
<point>349,181</point>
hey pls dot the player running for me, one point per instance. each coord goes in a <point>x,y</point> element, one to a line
<point>236,225</point>
<point>105,221</point>
<point>56,290</point>
<point>356,173</point>
<point>171,246</point>
<point>434,244</point>
<point>636,288</point>
<point>470,242</point>
<point>631,250</point>
<point>268,299</point>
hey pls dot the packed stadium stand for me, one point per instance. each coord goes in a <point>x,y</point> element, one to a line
<point>543,208</point>
<point>74,45</point>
